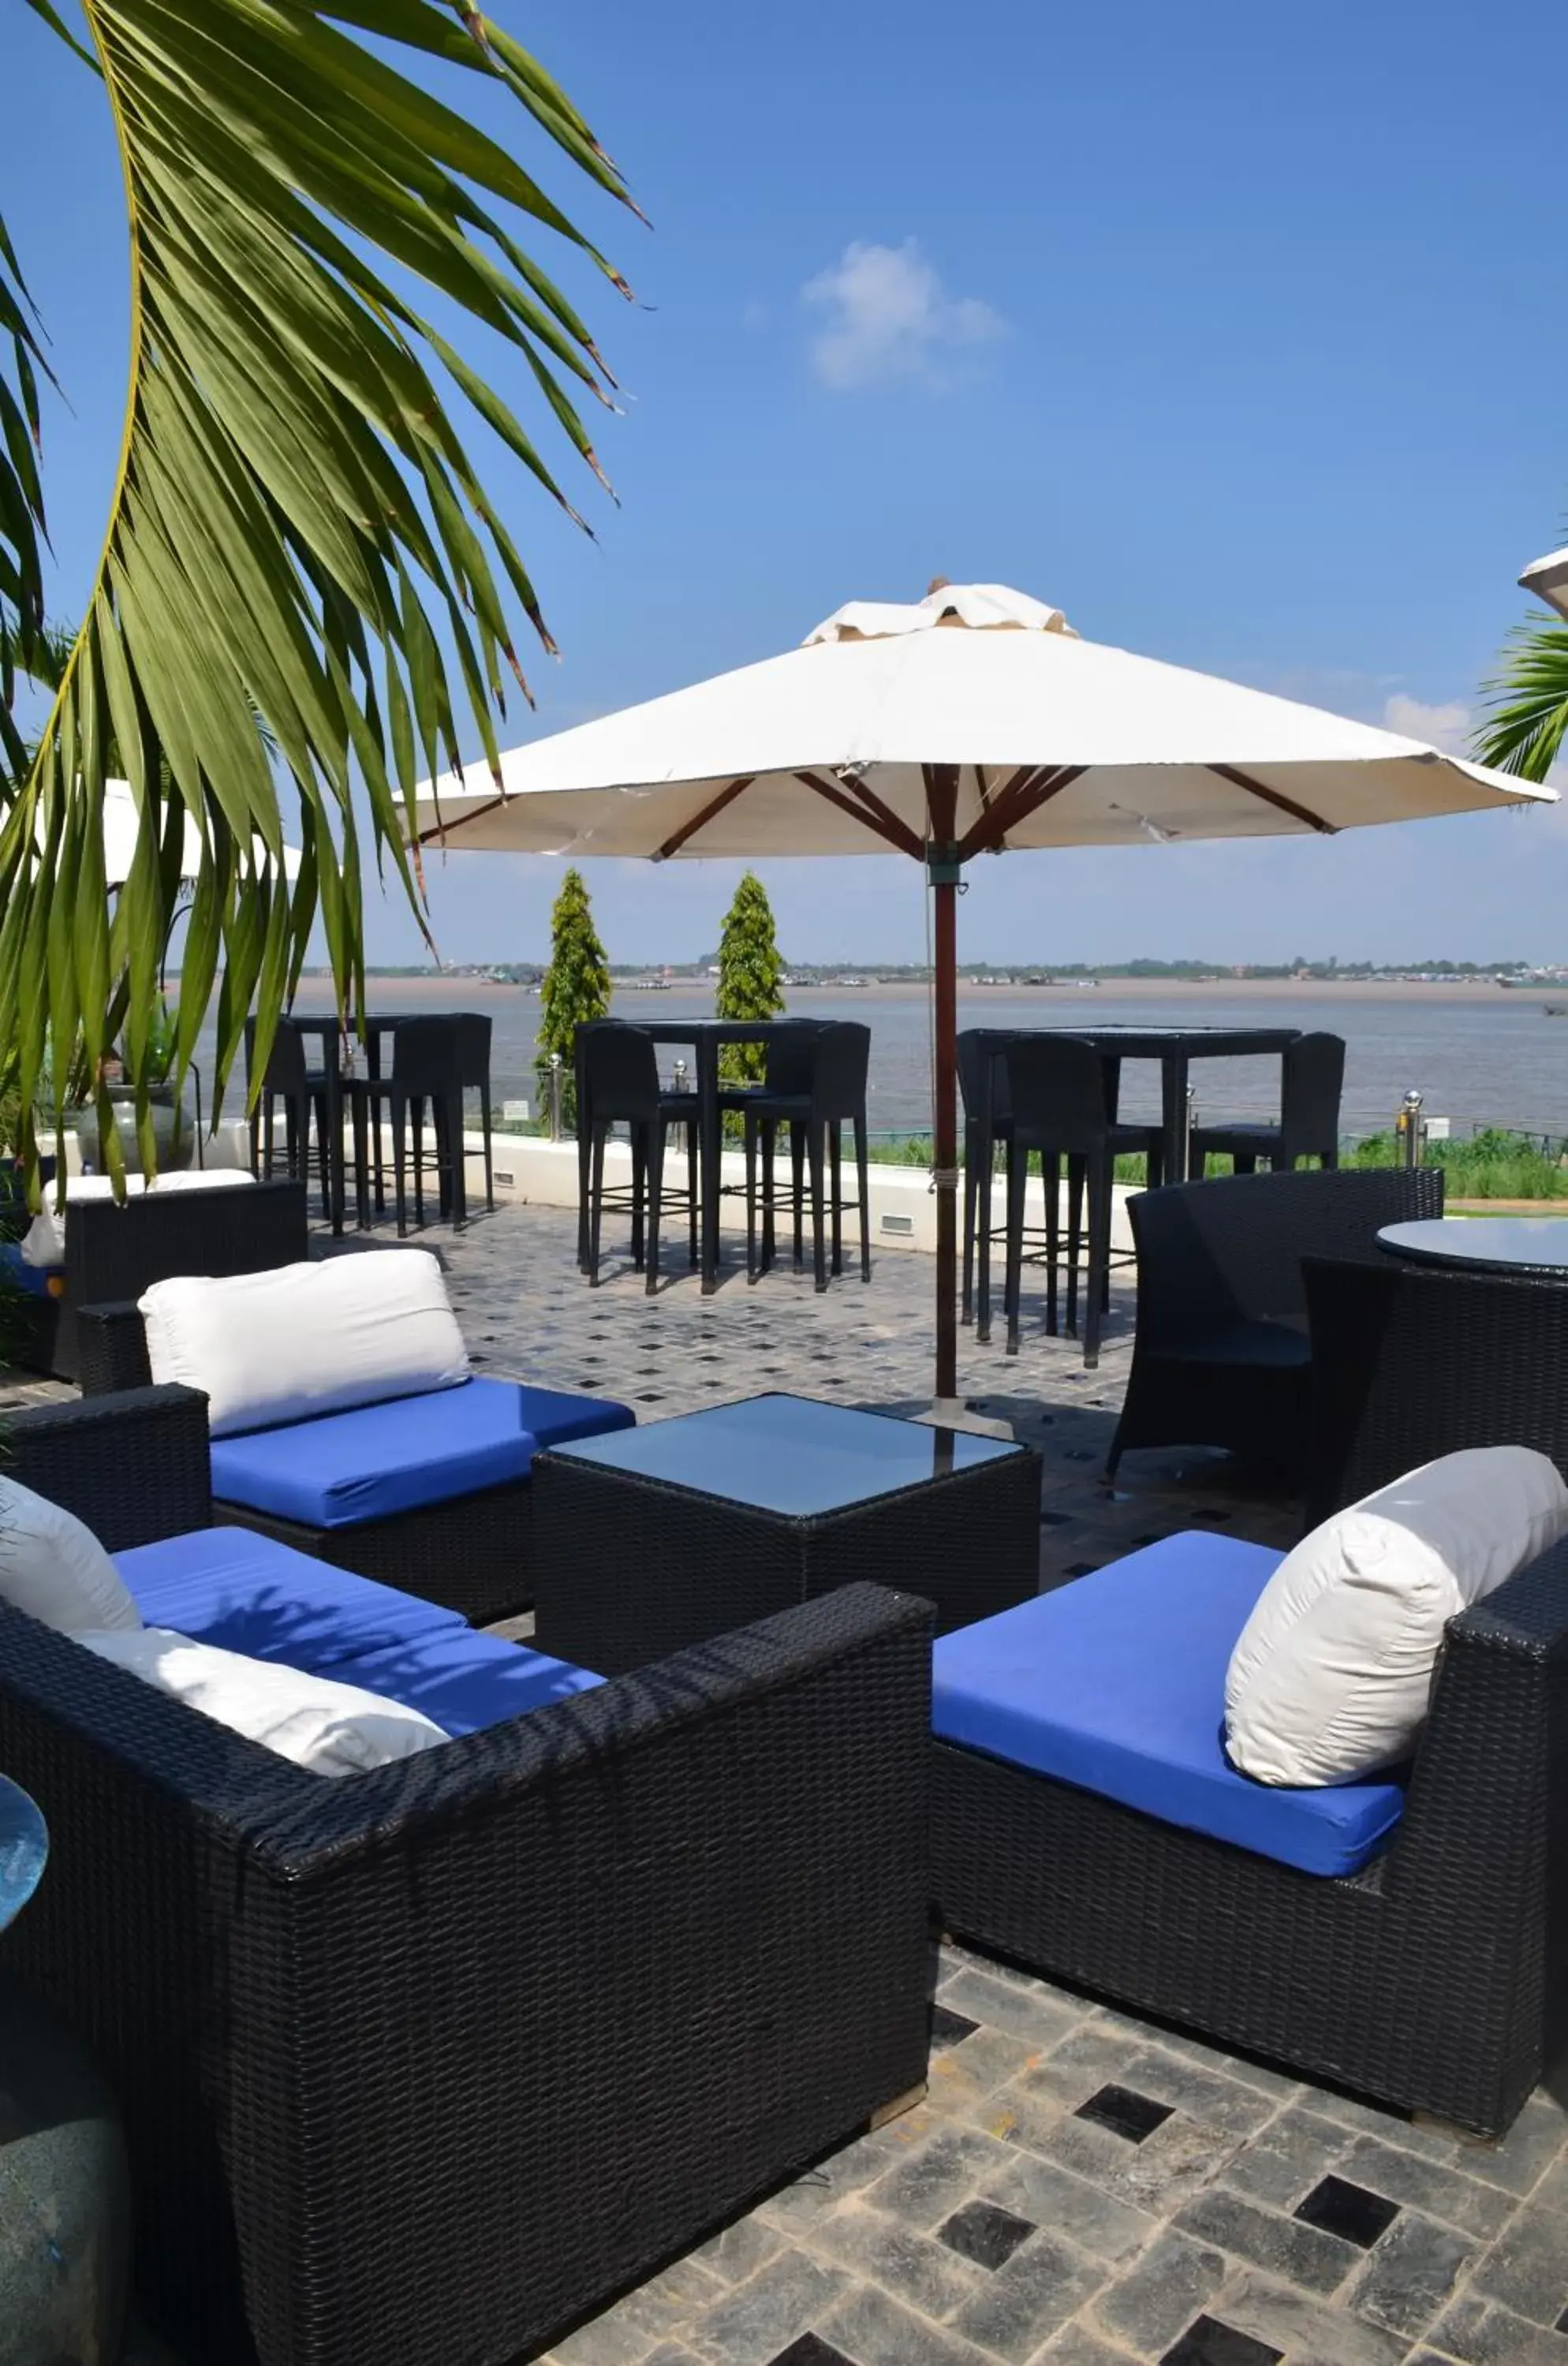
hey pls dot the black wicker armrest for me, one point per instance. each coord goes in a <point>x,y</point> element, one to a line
<point>111,1347</point>
<point>1529,1614</point>
<point>134,1467</point>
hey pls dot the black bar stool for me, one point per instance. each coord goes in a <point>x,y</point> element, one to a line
<point>619,1070</point>
<point>786,1076</point>
<point>426,1066</point>
<point>305,1093</point>
<point>473,1074</point>
<point>836,1057</point>
<point>1060,1108</point>
<point>988,1120</point>
<point>1312,1080</point>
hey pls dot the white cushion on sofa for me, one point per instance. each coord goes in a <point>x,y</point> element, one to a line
<point>304,1339</point>
<point>53,1567</point>
<point>200,1178</point>
<point>1331,1675</point>
<point>332,1729</point>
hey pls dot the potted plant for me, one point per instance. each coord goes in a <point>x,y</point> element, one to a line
<point>174,1128</point>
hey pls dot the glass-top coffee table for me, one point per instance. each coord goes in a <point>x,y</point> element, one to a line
<point>1523,1245</point>
<point>660,1536</point>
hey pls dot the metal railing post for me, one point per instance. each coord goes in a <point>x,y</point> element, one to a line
<point>555,1096</point>
<point>1189,1126</point>
<point>1410,1131</point>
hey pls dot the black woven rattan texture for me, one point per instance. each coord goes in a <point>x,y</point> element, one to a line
<point>628,1568</point>
<point>1220,1301</point>
<point>420,2066</point>
<point>1410,1362</point>
<point>473,1553</point>
<point>1433,1981</point>
<point>133,1468</point>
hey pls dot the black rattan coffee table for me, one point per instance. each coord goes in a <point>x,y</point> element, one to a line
<point>666,1534</point>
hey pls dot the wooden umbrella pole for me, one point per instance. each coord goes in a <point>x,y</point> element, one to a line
<point>942,802</point>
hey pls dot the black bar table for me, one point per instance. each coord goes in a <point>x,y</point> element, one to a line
<point>707,1038</point>
<point>1175,1048</point>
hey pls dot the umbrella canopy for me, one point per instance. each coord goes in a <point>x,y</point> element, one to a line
<point>973,721</point>
<point>1548,578</point>
<point>123,822</point>
<point>826,751</point>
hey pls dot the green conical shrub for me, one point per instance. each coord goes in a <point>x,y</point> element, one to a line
<point>750,970</point>
<point>576,988</point>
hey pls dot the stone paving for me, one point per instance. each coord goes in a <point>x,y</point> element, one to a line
<point>1079,2187</point>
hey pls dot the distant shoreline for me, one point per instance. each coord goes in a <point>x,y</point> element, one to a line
<point>1058,996</point>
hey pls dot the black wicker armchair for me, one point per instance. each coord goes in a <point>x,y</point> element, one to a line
<point>114,1250</point>
<point>1434,1979</point>
<point>422,2065</point>
<point>1221,1354</point>
<point>474,1552</point>
<point>1409,1362</point>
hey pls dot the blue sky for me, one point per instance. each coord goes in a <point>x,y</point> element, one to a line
<point>1238,332</point>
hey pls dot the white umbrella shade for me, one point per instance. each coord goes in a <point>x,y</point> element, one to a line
<point>973,721</point>
<point>1127,749</point>
<point>1548,578</point>
<point>122,823</point>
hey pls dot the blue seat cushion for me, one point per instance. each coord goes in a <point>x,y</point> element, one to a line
<point>343,1468</point>
<point>248,1594</point>
<point>33,1280</point>
<point>1116,1683</point>
<point>468,1680</point>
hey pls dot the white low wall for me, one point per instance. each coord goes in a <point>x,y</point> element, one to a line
<point>903,1205</point>
<point>530,1170</point>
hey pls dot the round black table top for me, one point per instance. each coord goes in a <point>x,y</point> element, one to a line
<point>1517,1243</point>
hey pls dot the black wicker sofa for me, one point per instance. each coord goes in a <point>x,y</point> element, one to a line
<point>422,2065</point>
<point>1430,1976</point>
<point>115,1250</point>
<point>431,1493</point>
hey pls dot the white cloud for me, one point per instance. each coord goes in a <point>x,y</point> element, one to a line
<point>888,319</point>
<point>1446,726</point>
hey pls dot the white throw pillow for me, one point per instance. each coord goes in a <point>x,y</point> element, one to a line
<point>304,1339</point>
<point>53,1567</point>
<point>1331,1675</point>
<point>332,1729</point>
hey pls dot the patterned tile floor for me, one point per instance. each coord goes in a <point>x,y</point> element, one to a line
<point>1078,2187</point>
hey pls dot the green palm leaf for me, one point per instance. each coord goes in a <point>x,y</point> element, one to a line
<point>293,506</point>
<point>1527,702</point>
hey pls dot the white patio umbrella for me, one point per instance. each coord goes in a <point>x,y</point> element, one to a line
<point>122,823</point>
<point>975,721</point>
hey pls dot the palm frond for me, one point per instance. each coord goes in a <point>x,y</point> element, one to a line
<point>1527,702</point>
<point>294,512</point>
<point>21,501</point>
